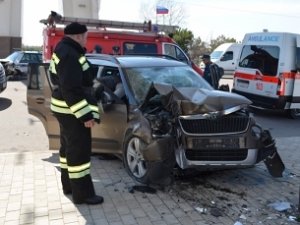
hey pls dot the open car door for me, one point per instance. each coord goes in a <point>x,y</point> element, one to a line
<point>38,101</point>
<point>107,137</point>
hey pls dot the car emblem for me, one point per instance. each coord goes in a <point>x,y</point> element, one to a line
<point>212,115</point>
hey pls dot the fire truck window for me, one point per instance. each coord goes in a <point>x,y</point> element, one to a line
<point>139,48</point>
<point>180,55</point>
<point>260,57</point>
<point>170,50</point>
<point>174,51</point>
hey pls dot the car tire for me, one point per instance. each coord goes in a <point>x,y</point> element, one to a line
<point>154,172</point>
<point>294,113</point>
<point>134,162</point>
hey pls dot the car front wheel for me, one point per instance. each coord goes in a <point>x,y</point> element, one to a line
<point>134,161</point>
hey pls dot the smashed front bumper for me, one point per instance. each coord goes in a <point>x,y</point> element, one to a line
<point>229,151</point>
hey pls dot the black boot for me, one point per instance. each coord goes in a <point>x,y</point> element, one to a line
<point>94,200</point>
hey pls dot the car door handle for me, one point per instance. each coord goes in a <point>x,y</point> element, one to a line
<point>40,100</point>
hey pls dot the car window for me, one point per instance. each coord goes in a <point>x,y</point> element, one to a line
<point>31,58</point>
<point>227,56</point>
<point>26,58</point>
<point>140,79</point>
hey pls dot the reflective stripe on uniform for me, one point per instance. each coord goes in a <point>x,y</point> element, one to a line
<point>82,112</point>
<point>96,115</point>
<point>55,58</point>
<point>54,61</point>
<point>94,108</point>
<point>60,110</point>
<point>82,108</point>
<point>83,62</point>
<point>63,163</point>
<point>79,105</point>
<point>79,109</point>
<point>59,106</point>
<point>59,103</point>
<point>79,171</point>
<point>79,174</point>
<point>52,68</point>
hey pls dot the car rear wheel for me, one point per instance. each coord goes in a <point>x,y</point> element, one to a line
<point>134,161</point>
<point>294,113</point>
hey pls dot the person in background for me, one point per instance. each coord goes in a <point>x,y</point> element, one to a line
<point>97,49</point>
<point>76,111</point>
<point>212,73</point>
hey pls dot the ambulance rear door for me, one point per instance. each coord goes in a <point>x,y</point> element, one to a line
<point>295,103</point>
<point>256,76</point>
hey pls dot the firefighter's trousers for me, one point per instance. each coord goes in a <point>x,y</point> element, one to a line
<point>75,152</point>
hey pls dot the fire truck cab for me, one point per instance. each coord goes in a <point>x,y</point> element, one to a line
<point>268,71</point>
<point>117,38</point>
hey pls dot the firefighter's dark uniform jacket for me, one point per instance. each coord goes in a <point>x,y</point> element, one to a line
<point>70,71</point>
<point>72,103</point>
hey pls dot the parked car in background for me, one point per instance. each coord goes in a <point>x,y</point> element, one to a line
<point>16,64</point>
<point>169,117</point>
<point>3,80</point>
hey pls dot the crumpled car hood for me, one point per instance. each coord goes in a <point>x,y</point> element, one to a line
<point>190,100</point>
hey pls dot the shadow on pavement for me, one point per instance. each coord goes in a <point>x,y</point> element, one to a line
<point>269,112</point>
<point>54,158</point>
<point>5,103</point>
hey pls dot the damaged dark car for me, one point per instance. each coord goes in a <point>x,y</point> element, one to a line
<point>169,117</point>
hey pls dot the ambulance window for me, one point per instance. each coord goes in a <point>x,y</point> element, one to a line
<point>261,57</point>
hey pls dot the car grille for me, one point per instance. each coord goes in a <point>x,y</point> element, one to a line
<point>216,154</point>
<point>226,124</point>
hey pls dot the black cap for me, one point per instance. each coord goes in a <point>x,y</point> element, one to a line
<point>205,57</point>
<point>75,28</point>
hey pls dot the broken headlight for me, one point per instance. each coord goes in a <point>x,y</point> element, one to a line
<point>161,123</point>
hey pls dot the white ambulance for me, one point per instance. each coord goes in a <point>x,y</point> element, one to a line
<point>268,71</point>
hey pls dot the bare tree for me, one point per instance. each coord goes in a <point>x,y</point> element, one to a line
<point>198,48</point>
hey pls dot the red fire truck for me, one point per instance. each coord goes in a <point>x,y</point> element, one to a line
<point>116,37</point>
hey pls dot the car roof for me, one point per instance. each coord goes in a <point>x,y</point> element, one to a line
<point>35,52</point>
<point>134,61</point>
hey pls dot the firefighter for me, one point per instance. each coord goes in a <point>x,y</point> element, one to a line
<point>76,111</point>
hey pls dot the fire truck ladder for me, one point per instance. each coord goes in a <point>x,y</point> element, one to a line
<point>55,18</point>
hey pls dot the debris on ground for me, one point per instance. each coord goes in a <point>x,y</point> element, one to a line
<point>280,206</point>
<point>142,188</point>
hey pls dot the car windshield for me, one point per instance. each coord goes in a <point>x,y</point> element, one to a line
<point>216,54</point>
<point>13,56</point>
<point>140,79</point>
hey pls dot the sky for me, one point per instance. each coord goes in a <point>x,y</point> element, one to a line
<point>207,19</point>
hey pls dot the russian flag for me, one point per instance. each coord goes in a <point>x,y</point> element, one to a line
<point>161,10</point>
